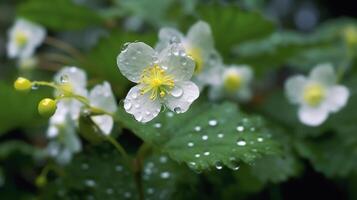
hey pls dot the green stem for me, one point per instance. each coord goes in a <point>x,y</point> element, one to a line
<point>120,149</point>
<point>65,47</point>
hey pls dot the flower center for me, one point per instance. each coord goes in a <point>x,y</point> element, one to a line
<point>21,38</point>
<point>196,55</point>
<point>156,81</point>
<point>350,35</point>
<point>314,94</point>
<point>232,82</point>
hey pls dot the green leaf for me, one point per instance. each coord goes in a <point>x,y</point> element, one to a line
<point>18,110</point>
<point>101,61</point>
<point>231,26</point>
<point>206,136</point>
<point>59,14</point>
<point>101,174</point>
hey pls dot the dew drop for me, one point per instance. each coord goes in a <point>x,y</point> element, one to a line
<point>118,168</point>
<point>64,79</point>
<point>163,159</point>
<point>190,144</point>
<point>164,67</point>
<point>137,106</point>
<point>241,142</point>
<point>150,191</point>
<point>197,155</point>
<point>219,165</point>
<point>220,135</point>
<point>127,105</point>
<point>157,125</point>
<point>109,191</point>
<point>260,139</point>
<point>177,92</point>
<point>35,86</point>
<point>207,153</point>
<point>212,122</point>
<point>169,114</point>
<point>134,95</point>
<point>205,137</point>
<point>240,128</point>
<point>89,183</point>
<point>177,110</point>
<point>127,194</point>
<point>197,128</point>
<point>85,166</point>
<point>165,175</point>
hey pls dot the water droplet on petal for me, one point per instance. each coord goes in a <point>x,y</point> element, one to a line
<point>177,92</point>
<point>127,105</point>
<point>64,79</point>
<point>177,110</point>
<point>134,95</point>
<point>137,106</point>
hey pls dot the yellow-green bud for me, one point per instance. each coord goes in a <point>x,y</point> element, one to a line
<point>47,107</point>
<point>22,84</point>
<point>41,181</point>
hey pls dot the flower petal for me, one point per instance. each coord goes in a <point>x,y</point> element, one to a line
<point>175,62</point>
<point>182,96</point>
<point>104,122</point>
<point>200,36</point>
<point>101,96</point>
<point>134,59</point>
<point>140,105</point>
<point>337,98</point>
<point>324,73</point>
<point>167,36</point>
<point>294,88</point>
<point>76,77</point>
<point>312,116</point>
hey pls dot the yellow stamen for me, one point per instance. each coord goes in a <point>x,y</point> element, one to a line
<point>156,81</point>
<point>21,38</point>
<point>232,82</point>
<point>313,94</point>
<point>196,55</point>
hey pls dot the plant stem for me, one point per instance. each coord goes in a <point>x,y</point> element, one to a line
<point>120,149</point>
<point>65,47</point>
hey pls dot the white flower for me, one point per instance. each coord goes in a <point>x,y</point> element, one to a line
<point>232,81</point>
<point>317,95</point>
<point>198,44</point>
<point>162,77</point>
<point>101,96</point>
<point>24,38</point>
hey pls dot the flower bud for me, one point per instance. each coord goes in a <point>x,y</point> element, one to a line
<point>47,107</point>
<point>22,84</point>
<point>41,181</point>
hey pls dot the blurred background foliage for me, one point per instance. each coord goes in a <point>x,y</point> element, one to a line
<point>278,38</point>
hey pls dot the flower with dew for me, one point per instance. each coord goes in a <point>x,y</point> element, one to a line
<point>101,96</point>
<point>72,83</point>
<point>163,79</point>
<point>317,95</point>
<point>198,44</point>
<point>24,38</point>
<point>232,81</point>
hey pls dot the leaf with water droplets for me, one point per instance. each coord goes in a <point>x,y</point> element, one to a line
<point>205,135</point>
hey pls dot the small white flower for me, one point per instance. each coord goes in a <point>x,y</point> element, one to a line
<point>101,96</point>
<point>163,79</point>
<point>232,81</point>
<point>24,38</point>
<point>198,44</point>
<point>317,95</point>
